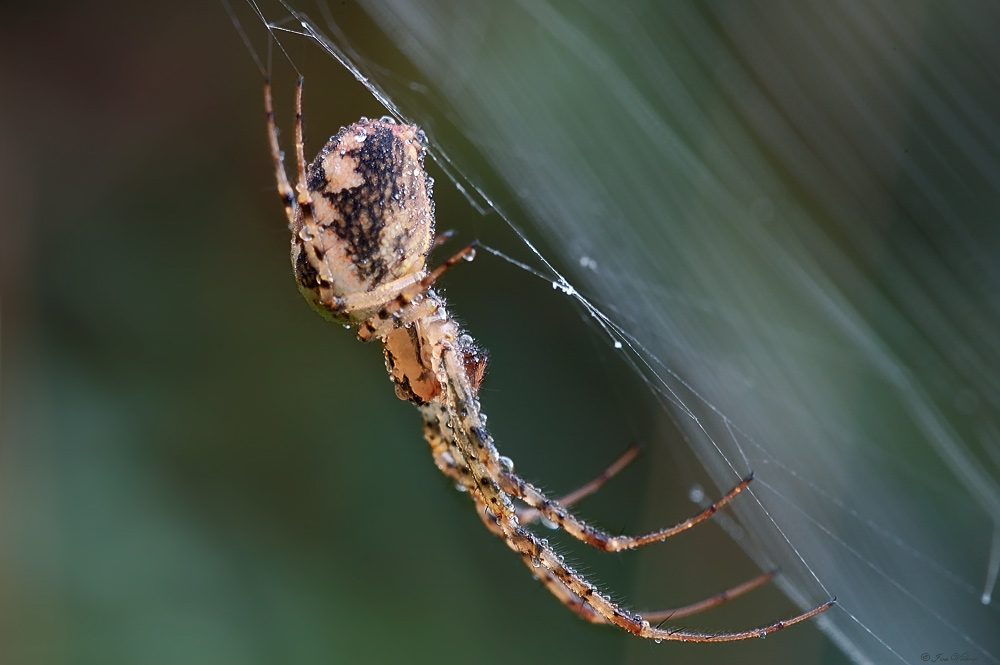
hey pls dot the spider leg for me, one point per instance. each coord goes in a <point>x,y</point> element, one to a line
<point>442,238</point>
<point>529,515</point>
<point>460,422</point>
<point>532,549</point>
<point>445,461</point>
<point>284,189</point>
<point>397,314</point>
<point>710,602</point>
<point>563,594</point>
<point>304,199</point>
<point>580,607</point>
<point>303,202</point>
<point>482,451</point>
<point>386,318</point>
<point>310,229</point>
<point>574,526</point>
<point>529,546</point>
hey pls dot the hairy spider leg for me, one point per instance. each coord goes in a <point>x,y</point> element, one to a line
<point>292,203</point>
<point>712,601</point>
<point>529,515</point>
<point>445,461</point>
<point>474,445</point>
<point>399,312</point>
<point>555,512</point>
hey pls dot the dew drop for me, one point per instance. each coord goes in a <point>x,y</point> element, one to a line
<point>470,255</point>
<point>507,463</point>
<point>461,488</point>
<point>618,344</point>
<point>535,562</point>
<point>549,524</point>
<point>644,624</point>
<point>762,635</point>
<point>658,640</point>
<point>387,119</point>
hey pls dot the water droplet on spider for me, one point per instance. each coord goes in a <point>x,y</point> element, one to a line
<point>388,119</point>
<point>762,634</point>
<point>544,542</point>
<point>535,562</point>
<point>461,488</point>
<point>642,622</point>
<point>347,326</point>
<point>470,255</point>
<point>361,136</point>
<point>618,344</point>
<point>507,463</point>
<point>696,494</point>
<point>549,524</point>
<point>343,152</point>
<point>658,640</point>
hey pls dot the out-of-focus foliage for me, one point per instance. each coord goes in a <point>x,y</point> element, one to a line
<point>791,207</point>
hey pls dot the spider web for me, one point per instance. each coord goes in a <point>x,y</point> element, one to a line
<point>784,222</point>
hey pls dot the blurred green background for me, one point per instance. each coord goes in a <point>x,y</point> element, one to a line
<point>195,468</point>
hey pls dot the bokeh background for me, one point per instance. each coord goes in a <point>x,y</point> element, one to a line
<point>195,468</point>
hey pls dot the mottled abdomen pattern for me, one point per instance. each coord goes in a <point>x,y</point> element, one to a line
<point>373,208</point>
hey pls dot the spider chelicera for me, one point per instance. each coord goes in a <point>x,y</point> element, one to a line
<point>362,223</point>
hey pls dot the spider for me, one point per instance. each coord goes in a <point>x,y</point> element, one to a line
<point>362,223</point>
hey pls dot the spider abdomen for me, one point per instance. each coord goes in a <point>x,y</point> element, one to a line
<point>374,216</point>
